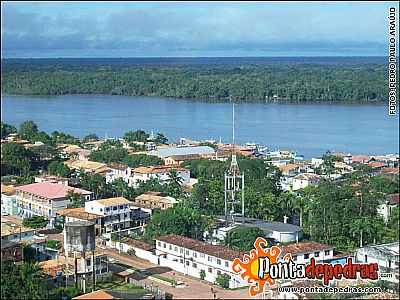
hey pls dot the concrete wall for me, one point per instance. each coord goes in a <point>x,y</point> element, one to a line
<point>285,237</point>
<point>193,268</point>
<point>143,254</point>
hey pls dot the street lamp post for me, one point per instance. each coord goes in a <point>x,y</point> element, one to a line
<point>214,293</point>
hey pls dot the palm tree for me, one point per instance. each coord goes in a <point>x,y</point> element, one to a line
<point>120,187</point>
<point>286,201</point>
<point>32,276</point>
<point>360,226</point>
<point>300,204</point>
<point>174,178</point>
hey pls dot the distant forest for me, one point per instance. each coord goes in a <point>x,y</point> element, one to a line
<point>247,82</point>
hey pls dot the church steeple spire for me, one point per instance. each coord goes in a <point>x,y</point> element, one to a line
<point>234,183</point>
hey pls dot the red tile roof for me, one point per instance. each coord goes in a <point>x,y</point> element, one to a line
<point>360,158</point>
<point>100,294</point>
<point>50,190</point>
<point>158,169</point>
<point>118,166</point>
<point>305,247</point>
<point>393,198</point>
<point>202,247</point>
<point>137,244</point>
<point>376,164</point>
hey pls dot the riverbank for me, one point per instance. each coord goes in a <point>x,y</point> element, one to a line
<point>216,101</point>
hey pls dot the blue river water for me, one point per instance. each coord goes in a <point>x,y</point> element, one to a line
<point>309,129</point>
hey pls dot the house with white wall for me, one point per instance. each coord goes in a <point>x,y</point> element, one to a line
<point>386,208</point>
<point>304,251</point>
<point>192,257</point>
<point>317,161</point>
<point>118,171</point>
<point>303,180</point>
<point>142,174</point>
<point>385,255</point>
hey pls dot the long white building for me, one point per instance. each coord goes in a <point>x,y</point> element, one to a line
<point>193,257</point>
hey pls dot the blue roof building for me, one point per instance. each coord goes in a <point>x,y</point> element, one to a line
<point>172,151</point>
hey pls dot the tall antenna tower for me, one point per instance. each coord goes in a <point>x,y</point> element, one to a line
<point>234,184</point>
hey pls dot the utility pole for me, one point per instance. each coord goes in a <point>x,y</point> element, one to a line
<point>94,272</point>
<point>76,270</point>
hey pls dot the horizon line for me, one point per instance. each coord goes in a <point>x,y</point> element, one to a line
<point>124,57</point>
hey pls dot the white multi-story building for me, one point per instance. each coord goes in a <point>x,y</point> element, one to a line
<point>8,201</point>
<point>117,214</point>
<point>317,161</point>
<point>45,199</point>
<point>303,180</point>
<point>385,255</point>
<point>116,171</point>
<point>142,174</point>
<point>196,258</point>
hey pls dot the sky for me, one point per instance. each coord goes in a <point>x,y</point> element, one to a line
<point>205,29</point>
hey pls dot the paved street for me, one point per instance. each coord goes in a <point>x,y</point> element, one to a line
<point>194,288</point>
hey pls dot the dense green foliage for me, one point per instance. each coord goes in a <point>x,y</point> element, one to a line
<point>113,152</point>
<point>21,163</point>
<point>180,219</point>
<point>53,244</point>
<point>6,129</point>
<point>137,160</point>
<point>345,215</point>
<point>289,82</point>
<point>262,191</point>
<point>76,199</point>
<point>22,281</point>
<point>332,212</point>
<point>136,136</point>
<point>27,281</point>
<point>223,280</point>
<point>92,137</point>
<point>29,253</point>
<point>242,238</point>
<point>35,222</point>
<point>16,160</point>
<point>108,152</point>
<point>58,168</point>
<point>64,138</point>
<point>28,130</point>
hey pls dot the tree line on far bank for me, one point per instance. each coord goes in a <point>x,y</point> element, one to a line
<point>246,83</point>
